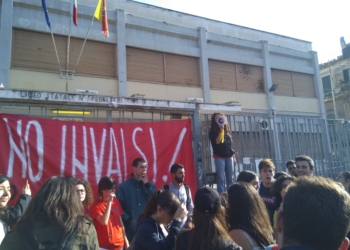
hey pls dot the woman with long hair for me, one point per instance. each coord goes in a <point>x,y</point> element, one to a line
<point>10,215</point>
<point>162,209</point>
<point>279,189</point>
<point>106,213</point>
<point>248,218</point>
<point>249,177</point>
<point>210,230</point>
<point>223,154</point>
<point>344,178</point>
<point>84,193</point>
<point>53,219</point>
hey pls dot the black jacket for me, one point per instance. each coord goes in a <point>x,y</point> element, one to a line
<point>149,235</point>
<point>183,242</point>
<point>222,149</point>
<point>12,214</point>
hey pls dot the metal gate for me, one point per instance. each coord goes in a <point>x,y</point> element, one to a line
<point>327,142</point>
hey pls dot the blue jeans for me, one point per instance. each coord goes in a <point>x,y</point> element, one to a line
<point>223,168</point>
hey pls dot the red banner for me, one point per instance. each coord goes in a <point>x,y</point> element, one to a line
<point>35,149</point>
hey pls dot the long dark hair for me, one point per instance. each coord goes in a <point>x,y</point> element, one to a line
<point>346,175</point>
<point>247,208</point>
<point>163,198</point>
<point>209,230</point>
<point>214,127</point>
<point>3,178</point>
<point>58,200</point>
<point>246,176</point>
<point>89,198</point>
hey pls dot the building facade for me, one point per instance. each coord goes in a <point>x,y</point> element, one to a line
<point>336,84</point>
<point>269,85</point>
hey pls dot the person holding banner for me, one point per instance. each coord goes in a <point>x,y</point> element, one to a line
<point>133,195</point>
<point>10,215</point>
<point>223,154</point>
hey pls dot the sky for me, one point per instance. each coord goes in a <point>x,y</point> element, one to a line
<point>320,22</point>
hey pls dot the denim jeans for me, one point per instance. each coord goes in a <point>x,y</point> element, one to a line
<point>223,168</point>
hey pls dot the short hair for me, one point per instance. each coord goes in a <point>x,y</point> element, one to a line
<point>106,183</point>
<point>175,167</point>
<point>137,161</point>
<point>266,163</point>
<point>316,213</point>
<point>280,173</point>
<point>290,163</point>
<point>246,176</point>
<point>305,158</point>
<point>3,178</point>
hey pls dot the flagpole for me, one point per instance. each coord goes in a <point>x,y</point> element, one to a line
<point>54,44</point>
<point>69,32</point>
<point>81,51</point>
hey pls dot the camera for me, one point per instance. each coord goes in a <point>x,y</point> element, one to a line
<point>221,120</point>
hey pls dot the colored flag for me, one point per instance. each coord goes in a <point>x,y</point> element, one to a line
<point>101,15</point>
<point>75,12</point>
<point>46,13</point>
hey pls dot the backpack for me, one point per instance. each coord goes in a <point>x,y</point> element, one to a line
<point>187,188</point>
<point>25,232</point>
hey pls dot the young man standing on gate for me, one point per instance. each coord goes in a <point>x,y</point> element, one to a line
<point>181,190</point>
<point>267,171</point>
<point>133,195</point>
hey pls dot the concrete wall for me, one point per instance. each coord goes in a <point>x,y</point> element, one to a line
<point>23,79</point>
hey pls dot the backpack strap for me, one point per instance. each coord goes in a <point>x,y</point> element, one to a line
<point>188,201</point>
<point>166,187</point>
<point>25,233</point>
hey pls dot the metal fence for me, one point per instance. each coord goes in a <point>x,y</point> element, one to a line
<point>327,142</point>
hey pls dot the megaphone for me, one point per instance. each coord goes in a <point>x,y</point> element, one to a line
<point>221,120</point>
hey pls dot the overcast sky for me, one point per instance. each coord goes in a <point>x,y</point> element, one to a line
<point>320,22</point>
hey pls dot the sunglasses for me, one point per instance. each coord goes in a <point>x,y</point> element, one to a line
<point>81,191</point>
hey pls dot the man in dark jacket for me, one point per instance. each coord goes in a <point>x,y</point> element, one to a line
<point>315,216</point>
<point>133,195</point>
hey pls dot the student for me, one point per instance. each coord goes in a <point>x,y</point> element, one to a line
<point>291,167</point>
<point>315,215</point>
<point>133,195</point>
<point>304,165</point>
<point>181,190</point>
<point>267,171</point>
<point>249,221</point>
<point>106,213</point>
<point>249,177</point>
<point>223,154</point>
<point>10,215</point>
<point>162,209</point>
<point>53,220</point>
<point>210,230</point>
<point>85,194</point>
<point>279,189</point>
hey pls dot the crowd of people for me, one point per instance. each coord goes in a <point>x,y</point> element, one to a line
<point>292,210</point>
